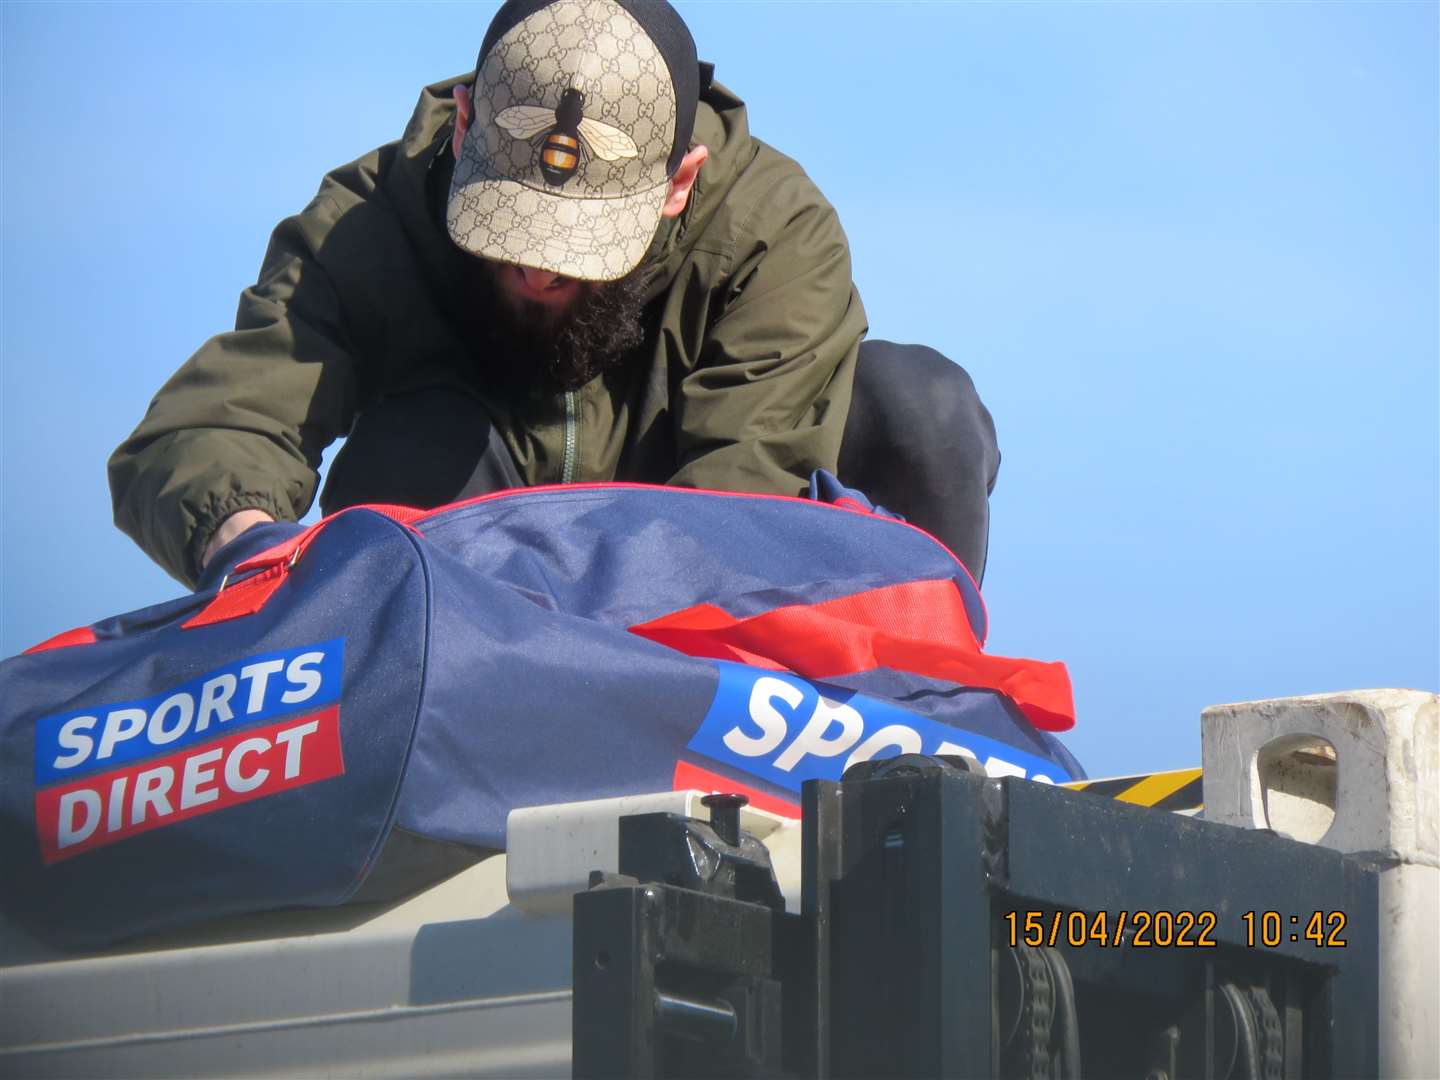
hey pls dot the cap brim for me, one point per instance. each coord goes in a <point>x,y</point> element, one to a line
<point>588,239</point>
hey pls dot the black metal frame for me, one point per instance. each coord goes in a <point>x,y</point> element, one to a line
<point>900,963</point>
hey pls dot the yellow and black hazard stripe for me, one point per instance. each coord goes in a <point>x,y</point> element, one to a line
<point>1181,790</point>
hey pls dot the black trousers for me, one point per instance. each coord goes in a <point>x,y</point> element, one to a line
<point>917,441</point>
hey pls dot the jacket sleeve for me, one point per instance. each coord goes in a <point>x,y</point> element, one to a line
<point>243,423</point>
<point>767,401</point>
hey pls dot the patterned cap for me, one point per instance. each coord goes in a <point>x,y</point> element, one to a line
<point>583,111</point>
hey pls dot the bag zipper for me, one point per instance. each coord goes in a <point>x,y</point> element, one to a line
<point>572,408</point>
<point>283,556</point>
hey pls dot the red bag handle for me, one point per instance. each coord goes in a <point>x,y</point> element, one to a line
<point>250,594</point>
<point>920,627</point>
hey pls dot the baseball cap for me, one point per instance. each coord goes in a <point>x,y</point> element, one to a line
<point>583,111</point>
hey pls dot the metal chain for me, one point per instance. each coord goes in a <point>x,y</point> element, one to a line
<point>1040,1004</point>
<point>1272,1035</point>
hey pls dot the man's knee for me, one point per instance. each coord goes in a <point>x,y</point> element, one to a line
<point>919,441</point>
<point>905,393</point>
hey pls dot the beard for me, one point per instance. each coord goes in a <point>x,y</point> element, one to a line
<point>532,348</point>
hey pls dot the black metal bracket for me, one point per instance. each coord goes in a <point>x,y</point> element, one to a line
<point>909,957</point>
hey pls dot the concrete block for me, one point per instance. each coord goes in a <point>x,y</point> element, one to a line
<point>1358,772</point>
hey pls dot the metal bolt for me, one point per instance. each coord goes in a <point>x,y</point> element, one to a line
<point>725,815</point>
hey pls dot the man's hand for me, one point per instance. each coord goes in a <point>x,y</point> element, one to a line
<point>230,528</point>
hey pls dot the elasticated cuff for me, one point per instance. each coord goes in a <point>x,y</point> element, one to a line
<point>212,517</point>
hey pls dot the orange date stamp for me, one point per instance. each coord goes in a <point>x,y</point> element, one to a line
<point>1138,929</point>
<point>1169,929</point>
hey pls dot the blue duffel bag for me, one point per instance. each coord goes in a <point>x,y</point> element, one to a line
<point>353,711</point>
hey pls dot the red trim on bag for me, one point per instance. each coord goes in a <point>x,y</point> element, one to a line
<point>81,635</point>
<point>289,552</point>
<point>693,778</point>
<point>919,627</point>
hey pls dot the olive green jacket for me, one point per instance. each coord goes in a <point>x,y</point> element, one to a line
<point>753,326</point>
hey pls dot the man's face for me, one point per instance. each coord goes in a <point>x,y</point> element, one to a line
<point>537,295</point>
<point>554,333</point>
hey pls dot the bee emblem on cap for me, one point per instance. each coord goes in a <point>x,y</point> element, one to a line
<point>569,135</point>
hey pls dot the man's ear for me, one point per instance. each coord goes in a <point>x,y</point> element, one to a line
<point>683,180</point>
<point>464,113</point>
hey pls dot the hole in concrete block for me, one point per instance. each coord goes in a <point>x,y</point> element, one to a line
<point>1297,777</point>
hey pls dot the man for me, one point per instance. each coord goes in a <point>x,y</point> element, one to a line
<point>580,267</point>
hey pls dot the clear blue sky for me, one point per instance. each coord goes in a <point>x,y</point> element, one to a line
<point>1187,251</point>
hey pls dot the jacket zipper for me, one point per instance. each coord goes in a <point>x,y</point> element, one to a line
<point>572,408</point>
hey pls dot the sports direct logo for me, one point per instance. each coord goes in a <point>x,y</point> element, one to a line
<point>117,770</point>
<point>786,730</point>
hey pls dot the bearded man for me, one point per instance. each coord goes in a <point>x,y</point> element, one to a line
<point>575,265</point>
